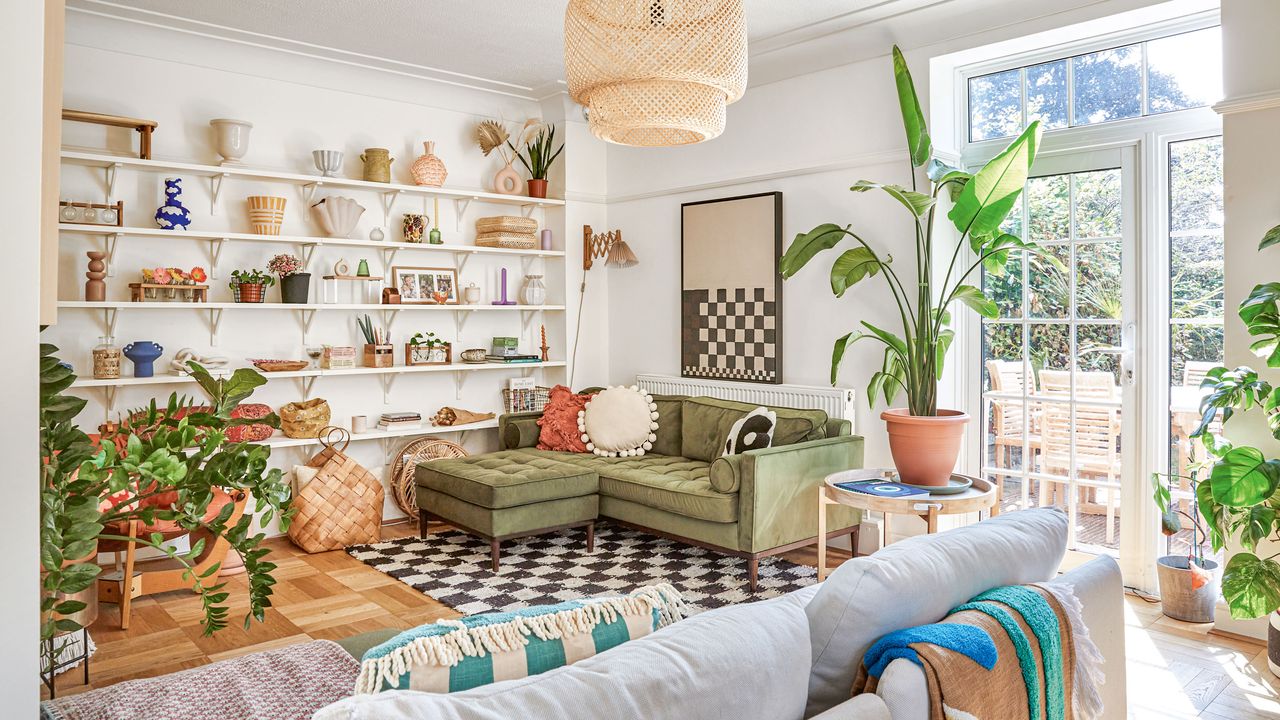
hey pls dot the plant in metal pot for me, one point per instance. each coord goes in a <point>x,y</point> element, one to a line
<point>924,439</point>
<point>170,465</point>
<point>295,285</point>
<point>250,285</point>
<point>1188,583</point>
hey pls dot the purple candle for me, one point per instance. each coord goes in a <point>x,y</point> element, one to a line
<point>504,300</point>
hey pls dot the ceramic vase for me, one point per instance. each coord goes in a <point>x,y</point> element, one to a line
<point>377,164</point>
<point>537,188</point>
<point>533,292</point>
<point>337,215</point>
<point>428,169</point>
<point>231,138</point>
<point>328,162</point>
<point>95,290</point>
<point>471,294</point>
<point>143,353</point>
<point>173,215</point>
<point>266,214</point>
<point>296,288</point>
<point>507,181</point>
<point>415,226</point>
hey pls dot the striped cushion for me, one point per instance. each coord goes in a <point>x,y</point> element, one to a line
<point>454,655</point>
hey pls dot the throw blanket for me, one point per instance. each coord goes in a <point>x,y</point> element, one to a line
<point>1012,653</point>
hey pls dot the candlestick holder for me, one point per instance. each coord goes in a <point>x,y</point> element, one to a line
<point>504,300</point>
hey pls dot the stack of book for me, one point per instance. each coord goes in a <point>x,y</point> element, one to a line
<point>400,421</point>
<point>512,359</point>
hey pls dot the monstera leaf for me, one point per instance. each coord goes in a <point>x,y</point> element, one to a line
<point>1251,585</point>
<point>1244,477</point>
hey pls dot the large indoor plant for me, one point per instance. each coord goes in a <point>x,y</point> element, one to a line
<point>925,440</point>
<point>537,155</point>
<point>178,452</point>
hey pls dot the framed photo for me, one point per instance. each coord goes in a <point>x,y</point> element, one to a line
<point>426,285</point>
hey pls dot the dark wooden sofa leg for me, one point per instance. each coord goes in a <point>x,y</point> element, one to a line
<point>495,550</point>
<point>853,540</point>
<point>591,538</point>
<point>753,572</point>
<point>424,518</point>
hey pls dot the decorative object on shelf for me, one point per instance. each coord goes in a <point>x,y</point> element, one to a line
<point>503,346</point>
<point>178,365</point>
<point>507,181</point>
<point>314,352</point>
<point>492,135</point>
<point>92,213</point>
<point>341,505</point>
<point>144,127</point>
<point>377,235</point>
<point>338,357</point>
<point>95,289</point>
<point>390,296</point>
<point>255,432</point>
<point>328,162</point>
<point>528,398</point>
<point>377,164</point>
<point>450,416</point>
<point>231,139</point>
<point>657,75</point>
<point>440,297</point>
<point>536,154</point>
<point>359,424</point>
<point>428,170</point>
<point>533,292</point>
<point>378,353</point>
<point>403,486</point>
<point>295,285</point>
<point>106,359</point>
<point>546,238</point>
<point>173,215</point>
<point>414,226</point>
<point>266,214</point>
<point>619,421</point>
<point>474,356</point>
<point>268,365</point>
<point>427,349</point>
<point>503,283</point>
<point>337,216</point>
<point>342,267</point>
<point>250,286</point>
<point>170,285</point>
<point>471,294</point>
<point>420,284</point>
<point>362,268</point>
<point>542,331</point>
<point>434,237</point>
<point>305,418</point>
<point>143,353</point>
<point>512,232</point>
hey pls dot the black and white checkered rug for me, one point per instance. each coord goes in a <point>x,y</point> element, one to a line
<point>453,568</point>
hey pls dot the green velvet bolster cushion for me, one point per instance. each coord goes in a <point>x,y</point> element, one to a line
<point>518,430</point>
<point>705,425</point>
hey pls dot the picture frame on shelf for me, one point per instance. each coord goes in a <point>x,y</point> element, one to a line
<point>426,285</point>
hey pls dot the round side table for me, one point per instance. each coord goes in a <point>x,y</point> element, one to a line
<point>984,495</point>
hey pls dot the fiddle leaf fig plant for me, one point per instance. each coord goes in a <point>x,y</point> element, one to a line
<point>981,201</point>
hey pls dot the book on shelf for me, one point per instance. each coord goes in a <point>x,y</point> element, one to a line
<point>402,425</point>
<point>400,416</point>
<point>514,359</point>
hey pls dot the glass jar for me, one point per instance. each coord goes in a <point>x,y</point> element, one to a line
<point>533,292</point>
<point>106,359</point>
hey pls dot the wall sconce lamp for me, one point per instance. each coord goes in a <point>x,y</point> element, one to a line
<point>610,246</point>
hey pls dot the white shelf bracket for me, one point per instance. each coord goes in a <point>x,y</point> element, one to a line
<point>309,191</point>
<point>386,451</point>
<point>388,381</point>
<point>526,319</point>
<point>215,189</point>
<point>527,371</point>
<point>460,321</point>
<point>388,199</point>
<point>215,254</point>
<point>308,318</point>
<point>388,256</point>
<point>308,250</point>
<point>527,210</point>
<point>215,322</point>
<point>109,317</point>
<point>308,382</point>
<point>459,379</point>
<point>109,401</point>
<point>461,262</point>
<point>109,247</point>
<point>389,318</point>
<point>110,176</point>
<point>459,209</point>
<point>462,436</point>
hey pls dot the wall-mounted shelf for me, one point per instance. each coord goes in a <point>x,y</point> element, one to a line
<point>386,436</point>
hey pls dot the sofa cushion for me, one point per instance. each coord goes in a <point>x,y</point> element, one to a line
<point>669,424</point>
<point>917,581</point>
<point>507,478</point>
<point>674,484</point>
<point>699,667</point>
<point>705,423</point>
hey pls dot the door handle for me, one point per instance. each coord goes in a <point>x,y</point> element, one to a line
<point>1128,363</point>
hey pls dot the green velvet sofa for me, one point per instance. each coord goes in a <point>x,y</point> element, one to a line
<point>759,503</point>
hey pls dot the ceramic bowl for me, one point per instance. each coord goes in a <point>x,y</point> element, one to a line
<point>328,162</point>
<point>337,215</point>
<point>474,355</point>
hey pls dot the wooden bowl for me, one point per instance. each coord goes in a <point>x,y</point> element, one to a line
<point>280,365</point>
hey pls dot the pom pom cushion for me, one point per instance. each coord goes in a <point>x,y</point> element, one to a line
<point>559,422</point>
<point>619,421</point>
<point>754,431</point>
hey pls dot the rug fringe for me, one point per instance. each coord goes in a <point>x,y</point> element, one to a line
<point>1086,700</point>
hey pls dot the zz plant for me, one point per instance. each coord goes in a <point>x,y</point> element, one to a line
<point>981,201</point>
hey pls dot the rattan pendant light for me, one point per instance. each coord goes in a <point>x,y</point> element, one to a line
<point>655,72</point>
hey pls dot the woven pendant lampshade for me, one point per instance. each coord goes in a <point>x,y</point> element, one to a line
<point>655,72</point>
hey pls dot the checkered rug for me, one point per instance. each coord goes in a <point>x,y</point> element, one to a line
<point>453,568</point>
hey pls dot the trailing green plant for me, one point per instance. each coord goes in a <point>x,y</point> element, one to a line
<point>535,152</point>
<point>427,340</point>
<point>164,464</point>
<point>250,277</point>
<point>980,203</point>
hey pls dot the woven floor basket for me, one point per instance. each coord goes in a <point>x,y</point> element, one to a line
<point>342,506</point>
<point>511,241</point>
<point>514,224</point>
<point>403,486</point>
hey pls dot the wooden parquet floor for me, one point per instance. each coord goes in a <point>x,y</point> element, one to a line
<point>1176,670</point>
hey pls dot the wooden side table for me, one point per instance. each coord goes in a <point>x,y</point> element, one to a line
<point>984,495</point>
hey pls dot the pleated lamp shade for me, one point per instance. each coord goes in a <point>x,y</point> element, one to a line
<point>655,72</point>
<point>621,256</point>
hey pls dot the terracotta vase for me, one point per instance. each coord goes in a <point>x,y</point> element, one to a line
<point>95,290</point>
<point>537,188</point>
<point>429,170</point>
<point>924,447</point>
<point>507,181</point>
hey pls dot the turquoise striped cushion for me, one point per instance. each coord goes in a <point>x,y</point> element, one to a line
<point>453,655</point>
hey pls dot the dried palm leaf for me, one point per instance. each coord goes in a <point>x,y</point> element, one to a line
<point>490,135</point>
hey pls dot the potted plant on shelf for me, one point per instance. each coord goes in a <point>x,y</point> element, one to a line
<point>162,464</point>
<point>295,285</point>
<point>925,440</point>
<point>536,154</point>
<point>427,349</point>
<point>250,286</point>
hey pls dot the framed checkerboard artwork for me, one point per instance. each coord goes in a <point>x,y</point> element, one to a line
<point>730,288</point>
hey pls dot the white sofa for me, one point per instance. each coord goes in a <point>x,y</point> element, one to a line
<point>795,656</point>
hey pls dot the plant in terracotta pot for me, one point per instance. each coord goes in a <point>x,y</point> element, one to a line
<point>295,285</point>
<point>536,154</point>
<point>924,439</point>
<point>250,286</point>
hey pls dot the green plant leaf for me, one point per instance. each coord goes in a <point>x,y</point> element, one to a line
<point>837,352</point>
<point>1261,314</point>
<point>917,202</point>
<point>1229,391</point>
<point>1251,585</point>
<point>1254,525</point>
<point>893,341</point>
<point>1213,513</point>
<point>1244,477</point>
<point>918,143</point>
<point>807,245</point>
<point>987,199</point>
<point>851,267</point>
<point>940,352</point>
<point>1271,238</point>
<point>978,300</point>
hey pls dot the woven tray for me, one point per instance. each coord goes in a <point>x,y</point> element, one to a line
<point>514,241</point>
<point>514,224</point>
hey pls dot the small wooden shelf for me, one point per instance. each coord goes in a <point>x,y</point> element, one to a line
<point>280,441</point>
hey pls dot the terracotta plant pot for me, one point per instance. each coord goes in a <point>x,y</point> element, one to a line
<point>924,447</point>
<point>1179,598</point>
<point>537,188</point>
<point>251,293</point>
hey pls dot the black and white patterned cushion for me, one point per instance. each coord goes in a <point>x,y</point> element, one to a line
<point>753,431</point>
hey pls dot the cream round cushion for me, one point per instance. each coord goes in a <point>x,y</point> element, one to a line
<point>619,421</point>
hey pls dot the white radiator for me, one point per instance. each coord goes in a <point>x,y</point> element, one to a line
<point>836,402</point>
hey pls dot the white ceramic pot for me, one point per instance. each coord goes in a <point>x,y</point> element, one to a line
<point>337,215</point>
<point>231,138</point>
<point>534,291</point>
<point>328,162</point>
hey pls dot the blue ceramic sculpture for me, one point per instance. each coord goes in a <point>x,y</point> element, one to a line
<point>173,215</point>
<point>143,353</point>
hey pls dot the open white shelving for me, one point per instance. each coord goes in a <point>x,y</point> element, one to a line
<point>386,436</point>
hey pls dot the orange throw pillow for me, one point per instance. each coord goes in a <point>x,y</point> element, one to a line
<point>559,421</point>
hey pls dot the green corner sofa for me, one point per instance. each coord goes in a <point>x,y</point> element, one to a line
<point>759,503</point>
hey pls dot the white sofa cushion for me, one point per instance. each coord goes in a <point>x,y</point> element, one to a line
<point>917,581</point>
<point>742,662</point>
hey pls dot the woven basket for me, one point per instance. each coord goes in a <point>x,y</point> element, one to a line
<point>403,487</point>
<point>513,241</point>
<point>525,399</point>
<point>304,419</point>
<point>342,506</point>
<point>513,224</point>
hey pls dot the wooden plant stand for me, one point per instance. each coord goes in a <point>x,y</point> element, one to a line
<point>144,127</point>
<point>199,293</point>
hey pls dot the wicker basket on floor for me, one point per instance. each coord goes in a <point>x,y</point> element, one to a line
<point>342,505</point>
<point>403,487</point>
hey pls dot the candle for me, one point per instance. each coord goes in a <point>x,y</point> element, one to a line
<point>504,286</point>
<point>435,213</point>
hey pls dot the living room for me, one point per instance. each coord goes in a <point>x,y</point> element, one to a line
<point>423,359</point>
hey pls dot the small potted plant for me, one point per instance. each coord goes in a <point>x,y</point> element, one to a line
<point>295,285</point>
<point>427,349</point>
<point>536,154</point>
<point>1188,583</point>
<point>250,286</point>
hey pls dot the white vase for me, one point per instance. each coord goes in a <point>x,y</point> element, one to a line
<point>231,138</point>
<point>533,292</point>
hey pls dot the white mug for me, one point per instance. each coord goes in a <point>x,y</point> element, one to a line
<point>359,423</point>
